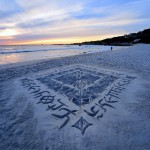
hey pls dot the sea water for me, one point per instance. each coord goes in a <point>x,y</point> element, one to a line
<point>20,53</point>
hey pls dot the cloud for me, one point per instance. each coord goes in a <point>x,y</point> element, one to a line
<point>8,8</point>
<point>42,19</point>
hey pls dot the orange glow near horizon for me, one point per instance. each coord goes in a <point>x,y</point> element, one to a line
<point>59,40</point>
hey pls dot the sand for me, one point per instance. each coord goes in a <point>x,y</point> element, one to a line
<point>97,101</point>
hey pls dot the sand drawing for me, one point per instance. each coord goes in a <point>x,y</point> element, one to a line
<point>92,90</point>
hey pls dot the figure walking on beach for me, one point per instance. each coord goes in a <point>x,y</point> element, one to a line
<point>111,48</point>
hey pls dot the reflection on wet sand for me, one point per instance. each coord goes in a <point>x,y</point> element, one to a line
<point>15,58</point>
<point>12,58</point>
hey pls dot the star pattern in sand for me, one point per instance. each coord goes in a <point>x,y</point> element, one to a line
<point>82,125</point>
<point>79,84</point>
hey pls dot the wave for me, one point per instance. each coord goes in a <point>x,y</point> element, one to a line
<point>25,51</point>
<point>32,49</point>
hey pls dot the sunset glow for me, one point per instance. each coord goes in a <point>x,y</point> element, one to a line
<point>8,32</point>
<point>64,22</point>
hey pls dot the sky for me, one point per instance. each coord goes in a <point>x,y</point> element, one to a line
<point>70,21</point>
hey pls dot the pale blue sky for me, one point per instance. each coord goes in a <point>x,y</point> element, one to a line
<point>67,21</point>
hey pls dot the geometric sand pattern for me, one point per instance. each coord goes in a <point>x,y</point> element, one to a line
<point>79,85</point>
<point>92,90</point>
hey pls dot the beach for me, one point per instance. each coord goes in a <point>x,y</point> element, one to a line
<point>89,101</point>
<point>23,53</point>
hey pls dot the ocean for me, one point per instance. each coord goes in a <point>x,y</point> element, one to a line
<point>21,53</point>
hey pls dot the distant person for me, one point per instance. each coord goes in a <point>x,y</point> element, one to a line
<point>111,48</point>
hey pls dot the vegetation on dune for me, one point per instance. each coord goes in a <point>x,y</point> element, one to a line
<point>127,39</point>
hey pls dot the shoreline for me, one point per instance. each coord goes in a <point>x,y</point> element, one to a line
<point>18,64</point>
